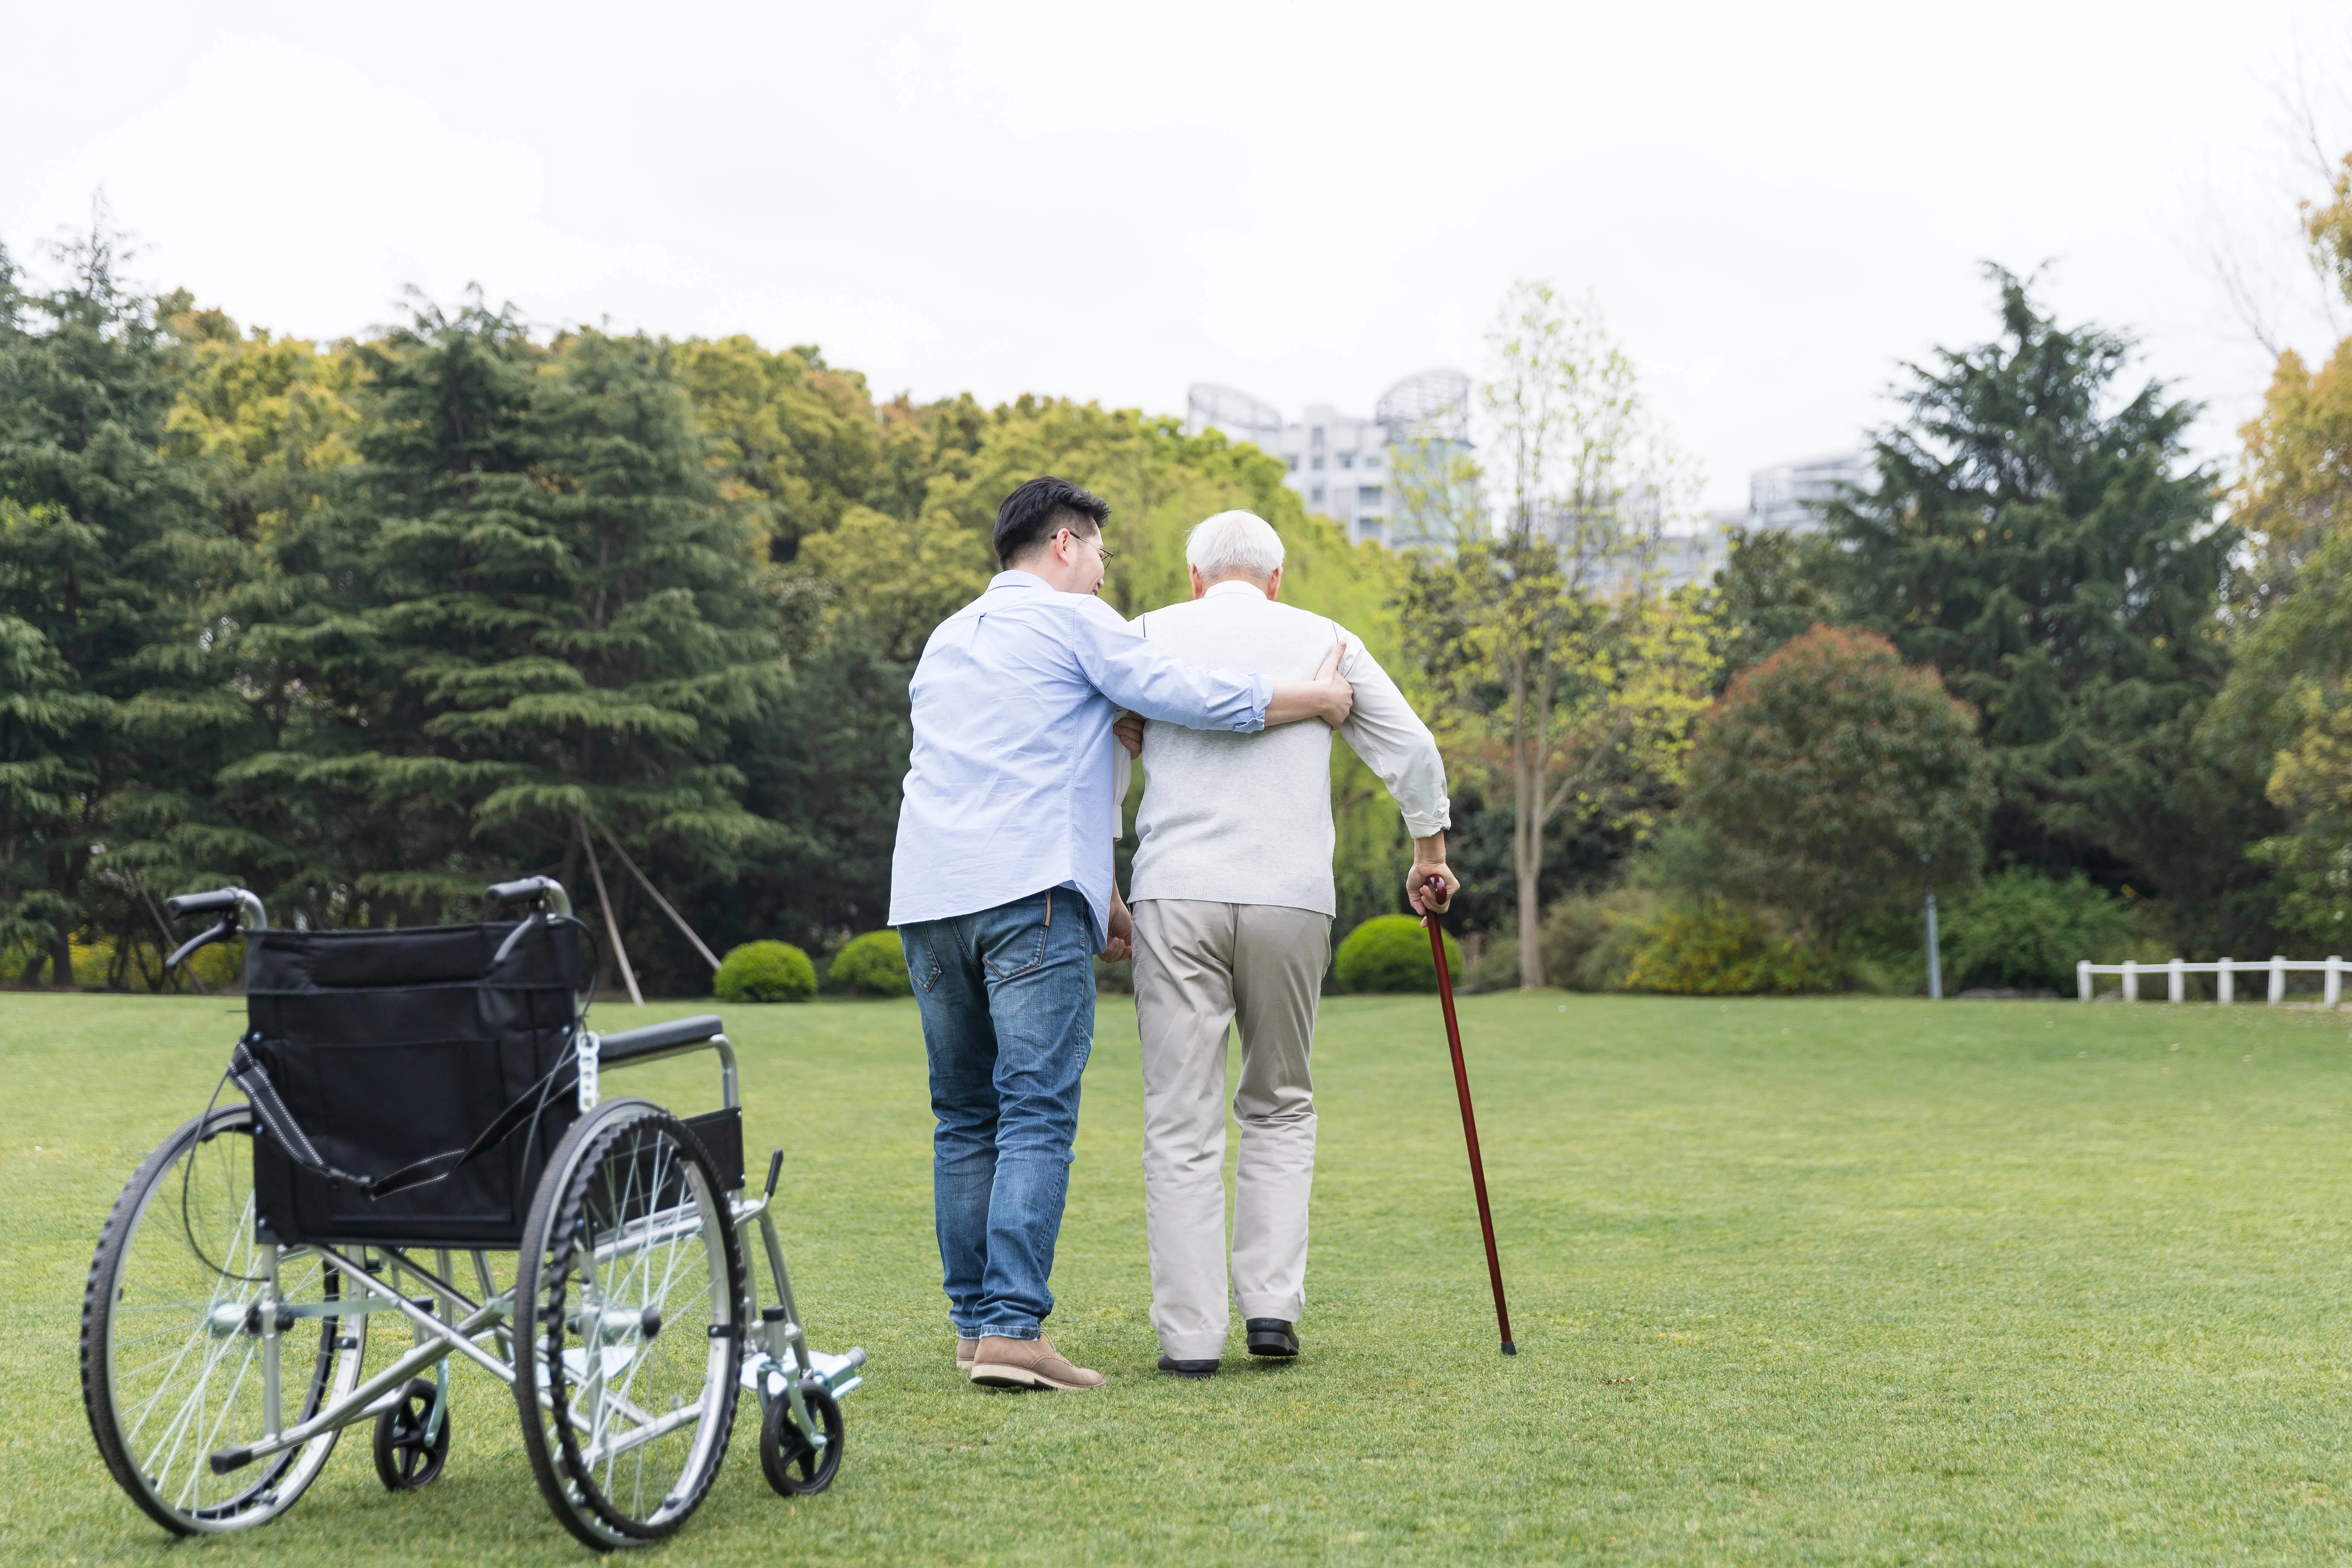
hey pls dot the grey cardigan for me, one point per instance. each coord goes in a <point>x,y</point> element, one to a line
<point>1246,819</point>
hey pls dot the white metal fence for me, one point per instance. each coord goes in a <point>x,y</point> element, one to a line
<point>2224,970</point>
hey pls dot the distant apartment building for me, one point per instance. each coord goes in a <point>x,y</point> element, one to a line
<point>1343,465</point>
<point>1788,497</point>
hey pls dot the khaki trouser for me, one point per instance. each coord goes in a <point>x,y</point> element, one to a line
<point>1200,967</point>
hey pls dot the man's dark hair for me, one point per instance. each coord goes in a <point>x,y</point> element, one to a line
<point>1042,508</point>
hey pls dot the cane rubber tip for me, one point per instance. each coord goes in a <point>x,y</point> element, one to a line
<point>1510,1348</point>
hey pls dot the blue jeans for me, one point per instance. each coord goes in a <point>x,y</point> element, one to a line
<point>1008,1002</point>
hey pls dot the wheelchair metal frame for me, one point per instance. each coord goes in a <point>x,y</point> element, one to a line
<point>449,1321</point>
<point>452,1322</point>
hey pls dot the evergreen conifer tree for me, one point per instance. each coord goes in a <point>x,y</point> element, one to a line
<point>526,608</point>
<point>2042,544</point>
<point>110,710</point>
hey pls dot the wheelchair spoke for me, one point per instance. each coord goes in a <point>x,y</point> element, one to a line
<point>632,1275</point>
<point>171,1369</point>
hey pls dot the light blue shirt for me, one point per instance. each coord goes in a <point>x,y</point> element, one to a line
<point>1009,786</point>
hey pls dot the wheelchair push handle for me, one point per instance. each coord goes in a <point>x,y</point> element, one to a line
<point>244,911</point>
<point>220,898</point>
<point>542,890</point>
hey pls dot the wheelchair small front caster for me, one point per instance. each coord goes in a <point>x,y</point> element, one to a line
<point>793,1466</point>
<point>403,1459</point>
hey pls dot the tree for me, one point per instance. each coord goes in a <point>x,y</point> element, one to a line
<point>787,433</point>
<point>891,578</point>
<point>526,609</point>
<point>112,705</point>
<point>1838,781</point>
<point>2328,225</point>
<point>266,420</point>
<point>2041,543</point>
<point>2283,725</point>
<point>1773,585</point>
<point>1559,672</point>
<point>2290,695</point>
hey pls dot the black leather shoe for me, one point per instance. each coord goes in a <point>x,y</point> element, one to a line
<point>1272,1336</point>
<point>1169,1364</point>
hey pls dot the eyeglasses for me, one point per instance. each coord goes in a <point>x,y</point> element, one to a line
<point>1096,545</point>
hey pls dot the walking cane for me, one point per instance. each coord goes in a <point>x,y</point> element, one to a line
<point>1469,1121</point>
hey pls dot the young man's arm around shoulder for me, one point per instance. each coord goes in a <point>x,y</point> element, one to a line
<point>1126,667</point>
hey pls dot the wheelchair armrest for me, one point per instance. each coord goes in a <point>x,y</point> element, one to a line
<point>657,1039</point>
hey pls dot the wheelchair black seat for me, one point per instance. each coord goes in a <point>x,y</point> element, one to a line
<point>388,1048</point>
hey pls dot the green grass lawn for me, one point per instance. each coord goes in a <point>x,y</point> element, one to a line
<point>1827,1281</point>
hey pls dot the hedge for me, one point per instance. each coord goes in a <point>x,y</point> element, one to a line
<point>1391,953</point>
<point>1724,949</point>
<point>874,964</point>
<point>765,971</point>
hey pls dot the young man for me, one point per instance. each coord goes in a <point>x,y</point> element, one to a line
<point>1001,888</point>
<point>1233,924</point>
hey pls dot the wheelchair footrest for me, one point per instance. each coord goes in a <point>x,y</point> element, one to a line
<point>837,1373</point>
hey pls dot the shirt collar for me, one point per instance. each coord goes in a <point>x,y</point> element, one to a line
<point>1014,578</point>
<point>1234,586</point>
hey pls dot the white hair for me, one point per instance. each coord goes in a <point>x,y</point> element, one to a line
<point>1234,541</point>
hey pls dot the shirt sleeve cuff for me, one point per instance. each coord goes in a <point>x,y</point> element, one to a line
<point>1420,825</point>
<point>1261,693</point>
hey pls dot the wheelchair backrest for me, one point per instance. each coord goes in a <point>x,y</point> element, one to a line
<point>388,1047</point>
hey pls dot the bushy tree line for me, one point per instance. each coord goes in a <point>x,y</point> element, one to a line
<point>2281,728</point>
<point>366,625</point>
<point>2040,644</point>
<point>2039,647</point>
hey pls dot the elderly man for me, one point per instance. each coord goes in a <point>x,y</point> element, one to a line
<point>1233,902</point>
<point>1001,888</point>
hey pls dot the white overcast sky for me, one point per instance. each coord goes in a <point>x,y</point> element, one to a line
<point>1773,205</point>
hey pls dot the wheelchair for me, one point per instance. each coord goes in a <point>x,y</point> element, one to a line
<point>416,1099</point>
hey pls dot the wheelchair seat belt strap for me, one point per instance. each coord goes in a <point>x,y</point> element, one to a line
<point>245,1070</point>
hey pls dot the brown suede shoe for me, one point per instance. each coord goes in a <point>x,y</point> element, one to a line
<point>965,1351</point>
<point>1028,1363</point>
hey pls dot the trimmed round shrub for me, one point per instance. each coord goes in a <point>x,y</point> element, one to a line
<point>1391,953</point>
<point>874,964</point>
<point>765,971</point>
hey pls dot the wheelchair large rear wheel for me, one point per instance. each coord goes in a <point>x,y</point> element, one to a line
<point>625,1370</point>
<point>172,1365</point>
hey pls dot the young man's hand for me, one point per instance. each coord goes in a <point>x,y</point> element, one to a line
<point>1327,697</point>
<point>1128,729</point>
<point>1338,696</point>
<point>1120,940</point>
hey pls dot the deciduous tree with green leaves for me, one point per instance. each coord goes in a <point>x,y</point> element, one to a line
<point>789,434</point>
<point>1562,675</point>
<point>267,419</point>
<point>1839,783</point>
<point>2282,725</point>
